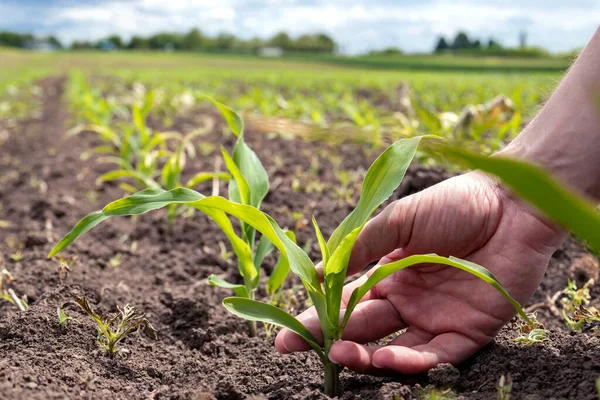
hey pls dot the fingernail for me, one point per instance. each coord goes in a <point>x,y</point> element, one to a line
<point>283,342</point>
<point>333,359</point>
<point>377,359</point>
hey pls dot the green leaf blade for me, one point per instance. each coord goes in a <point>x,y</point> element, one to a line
<point>540,189</point>
<point>253,310</point>
<point>383,177</point>
<point>386,270</point>
<point>239,290</point>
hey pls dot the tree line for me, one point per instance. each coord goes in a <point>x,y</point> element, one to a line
<point>462,44</point>
<point>194,40</point>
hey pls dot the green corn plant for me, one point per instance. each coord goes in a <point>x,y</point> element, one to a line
<point>381,179</point>
<point>63,318</point>
<point>249,185</point>
<point>117,326</point>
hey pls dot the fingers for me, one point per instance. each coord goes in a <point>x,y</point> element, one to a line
<point>379,316</point>
<point>383,234</point>
<point>417,357</point>
<point>371,320</point>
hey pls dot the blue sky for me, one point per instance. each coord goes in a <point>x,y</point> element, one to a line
<point>358,25</point>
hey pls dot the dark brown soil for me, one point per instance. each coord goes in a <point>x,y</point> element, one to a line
<point>203,352</point>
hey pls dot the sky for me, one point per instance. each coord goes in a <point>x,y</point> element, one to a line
<point>357,26</point>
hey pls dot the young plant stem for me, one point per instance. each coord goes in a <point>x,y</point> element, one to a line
<point>252,324</point>
<point>252,328</point>
<point>331,380</point>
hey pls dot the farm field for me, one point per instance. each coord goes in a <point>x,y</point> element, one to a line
<point>81,130</point>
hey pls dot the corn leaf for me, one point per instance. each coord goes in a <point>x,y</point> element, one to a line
<point>386,270</point>
<point>206,176</point>
<point>253,310</point>
<point>540,189</point>
<point>383,177</point>
<point>103,132</point>
<point>240,248</point>
<point>153,199</point>
<point>281,270</point>
<point>264,248</point>
<point>335,274</point>
<point>121,173</point>
<point>139,120</point>
<point>242,185</point>
<point>246,160</point>
<point>322,243</point>
<point>239,290</point>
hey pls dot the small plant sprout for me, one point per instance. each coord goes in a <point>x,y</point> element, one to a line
<point>576,313</point>
<point>531,332</point>
<point>117,326</point>
<point>382,178</point>
<point>504,387</point>
<point>63,318</point>
<point>115,260</point>
<point>8,294</point>
<point>65,264</point>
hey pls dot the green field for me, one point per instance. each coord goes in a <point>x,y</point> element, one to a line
<point>323,91</point>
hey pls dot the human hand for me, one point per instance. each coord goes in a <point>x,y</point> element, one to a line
<point>449,314</point>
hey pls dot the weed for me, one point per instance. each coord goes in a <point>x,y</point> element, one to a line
<point>117,326</point>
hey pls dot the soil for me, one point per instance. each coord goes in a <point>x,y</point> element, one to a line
<point>202,351</point>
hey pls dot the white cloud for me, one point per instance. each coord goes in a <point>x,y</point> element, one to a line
<point>358,26</point>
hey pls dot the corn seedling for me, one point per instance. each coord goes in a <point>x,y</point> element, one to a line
<point>504,387</point>
<point>63,318</point>
<point>115,260</point>
<point>8,294</point>
<point>382,178</point>
<point>432,393</point>
<point>117,326</point>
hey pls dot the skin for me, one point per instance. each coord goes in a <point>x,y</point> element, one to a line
<point>449,314</point>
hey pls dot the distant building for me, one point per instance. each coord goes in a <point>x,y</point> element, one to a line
<point>106,45</point>
<point>41,45</point>
<point>270,52</point>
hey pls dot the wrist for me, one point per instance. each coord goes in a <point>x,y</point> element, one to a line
<point>573,163</point>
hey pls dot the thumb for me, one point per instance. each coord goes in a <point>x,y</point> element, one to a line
<point>388,231</point>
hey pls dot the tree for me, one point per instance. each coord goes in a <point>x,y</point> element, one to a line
<point>493,45</point>
<point>138,42</point>
<point>326,43</point>
<point>225,41</point>
<point>166,40</point>
<point>281,40</point>
<point>81,44</point>
<point>11,39</point>
<point>53,40</point>
<point>193,40</point>
<point>461,41</point>
<point>476,44</point>
<point>441,45</point>
<point>116,40</point>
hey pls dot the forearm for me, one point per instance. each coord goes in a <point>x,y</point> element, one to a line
<point>565,136</point>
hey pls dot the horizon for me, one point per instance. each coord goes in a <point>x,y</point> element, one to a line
<point>357,27</point>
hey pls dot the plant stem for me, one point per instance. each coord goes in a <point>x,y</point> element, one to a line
<point>332,379</point>
<point>252,328</point>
